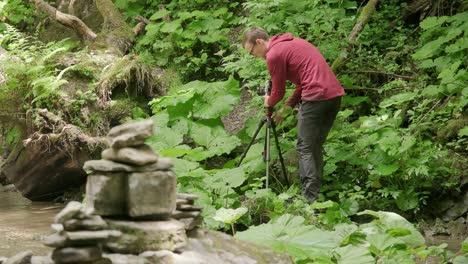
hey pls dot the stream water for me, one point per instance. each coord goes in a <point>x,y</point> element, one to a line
<point>23,223</point>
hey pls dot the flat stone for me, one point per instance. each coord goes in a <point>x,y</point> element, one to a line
<point>176,214</point>
<point>41,260</point>
<point>191,223</point>
<point>55,240</point>
<point>3,260</point>
<point>139,155</point>
<point>57,227</point>
<point>20,258</point>
<point>187,196</point>
<point>130,134</point>
<point>138,237</point>
<point>95,222</point>
<point>80,238</point>
<point>93,236</point>
<point>127,259</point>
<point>76,254</point>
<point>112,166</point>
<point>71,210</point>
<point>160,257</point>
<point>151,195</point>
<point>189,207</point>
<point>106,192</point>
<point>183,201</point>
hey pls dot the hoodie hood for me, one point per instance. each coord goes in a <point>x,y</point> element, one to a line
<point>280,38</point>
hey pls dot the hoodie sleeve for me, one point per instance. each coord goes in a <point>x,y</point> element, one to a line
<point>295,97</point>
<point>277,67</point>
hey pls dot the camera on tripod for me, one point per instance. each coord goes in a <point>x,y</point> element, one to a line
<point>265,90</point>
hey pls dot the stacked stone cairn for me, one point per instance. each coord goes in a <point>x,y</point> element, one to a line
<point>135,190</point>
<point>79,236</point>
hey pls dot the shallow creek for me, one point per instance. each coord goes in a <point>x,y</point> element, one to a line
<point>23,223</point>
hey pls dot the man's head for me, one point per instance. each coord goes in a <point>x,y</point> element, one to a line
<point>255,41</point>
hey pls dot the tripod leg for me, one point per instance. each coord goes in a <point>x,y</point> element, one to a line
<point>266,151</point>
<point>283,168</point>
<point>260,125</point>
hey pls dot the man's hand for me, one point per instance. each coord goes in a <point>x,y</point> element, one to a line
<point>281,114</point>
<point>265,102</point>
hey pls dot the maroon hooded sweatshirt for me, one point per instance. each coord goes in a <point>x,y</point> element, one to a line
<point>296,60</point>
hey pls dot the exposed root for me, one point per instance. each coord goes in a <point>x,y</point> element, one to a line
<point>56,134</point>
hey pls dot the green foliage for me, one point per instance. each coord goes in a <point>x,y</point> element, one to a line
<point>385,240</point>
<point>17,11</point>
<point>190,35</point>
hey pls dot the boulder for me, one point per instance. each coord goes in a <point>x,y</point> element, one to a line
<point>42,260</point>
<point>160,257</point>
<point>43,175</point>
<point>138,237</point>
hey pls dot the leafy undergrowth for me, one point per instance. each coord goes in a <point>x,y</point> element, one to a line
<point>389,238</point>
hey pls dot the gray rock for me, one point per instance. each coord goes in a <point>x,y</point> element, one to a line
<point>76,254</point>
<point>187,196</point>
<point>215,247</point>
<point>126,259</point>
<point>139,155</point>
<point>138,237</point>
<point>459,209</point>
<point>111,166</point>
<point>95,222</point>
<point>106,192</point>
<point>71,210</point>
<point>189,207</point>
<point>3,260</point>
<point>159,257</point>
<point>151,195</point>
<point>130,134</point>
<point>57,227</point>
<point>41,260</point>
<point>80,238</point>
<point>176,214</point>
<point>191,223</point>
<point>55,240</point>
<point>183,201</point>
<point>20,258</point>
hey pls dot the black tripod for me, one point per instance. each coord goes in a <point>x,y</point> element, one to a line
<point>270,124</point>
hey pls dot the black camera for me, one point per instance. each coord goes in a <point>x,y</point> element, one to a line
<point>265,90</point>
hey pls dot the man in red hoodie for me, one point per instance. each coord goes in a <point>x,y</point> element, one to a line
<point>317,90</point>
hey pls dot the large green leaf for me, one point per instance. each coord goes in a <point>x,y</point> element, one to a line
<point>227,178</point>
<point>229,216</point>
<point>217,100</point>
<point>389,220</point>
<point>289,234</point>
<point>354,255</point>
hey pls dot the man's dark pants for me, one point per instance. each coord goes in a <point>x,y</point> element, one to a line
<point>315,121</point>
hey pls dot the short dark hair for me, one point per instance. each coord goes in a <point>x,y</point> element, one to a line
<point>254,33</point>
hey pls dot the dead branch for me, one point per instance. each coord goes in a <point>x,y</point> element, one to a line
<point>364,17</point>
<point>67,20</point>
